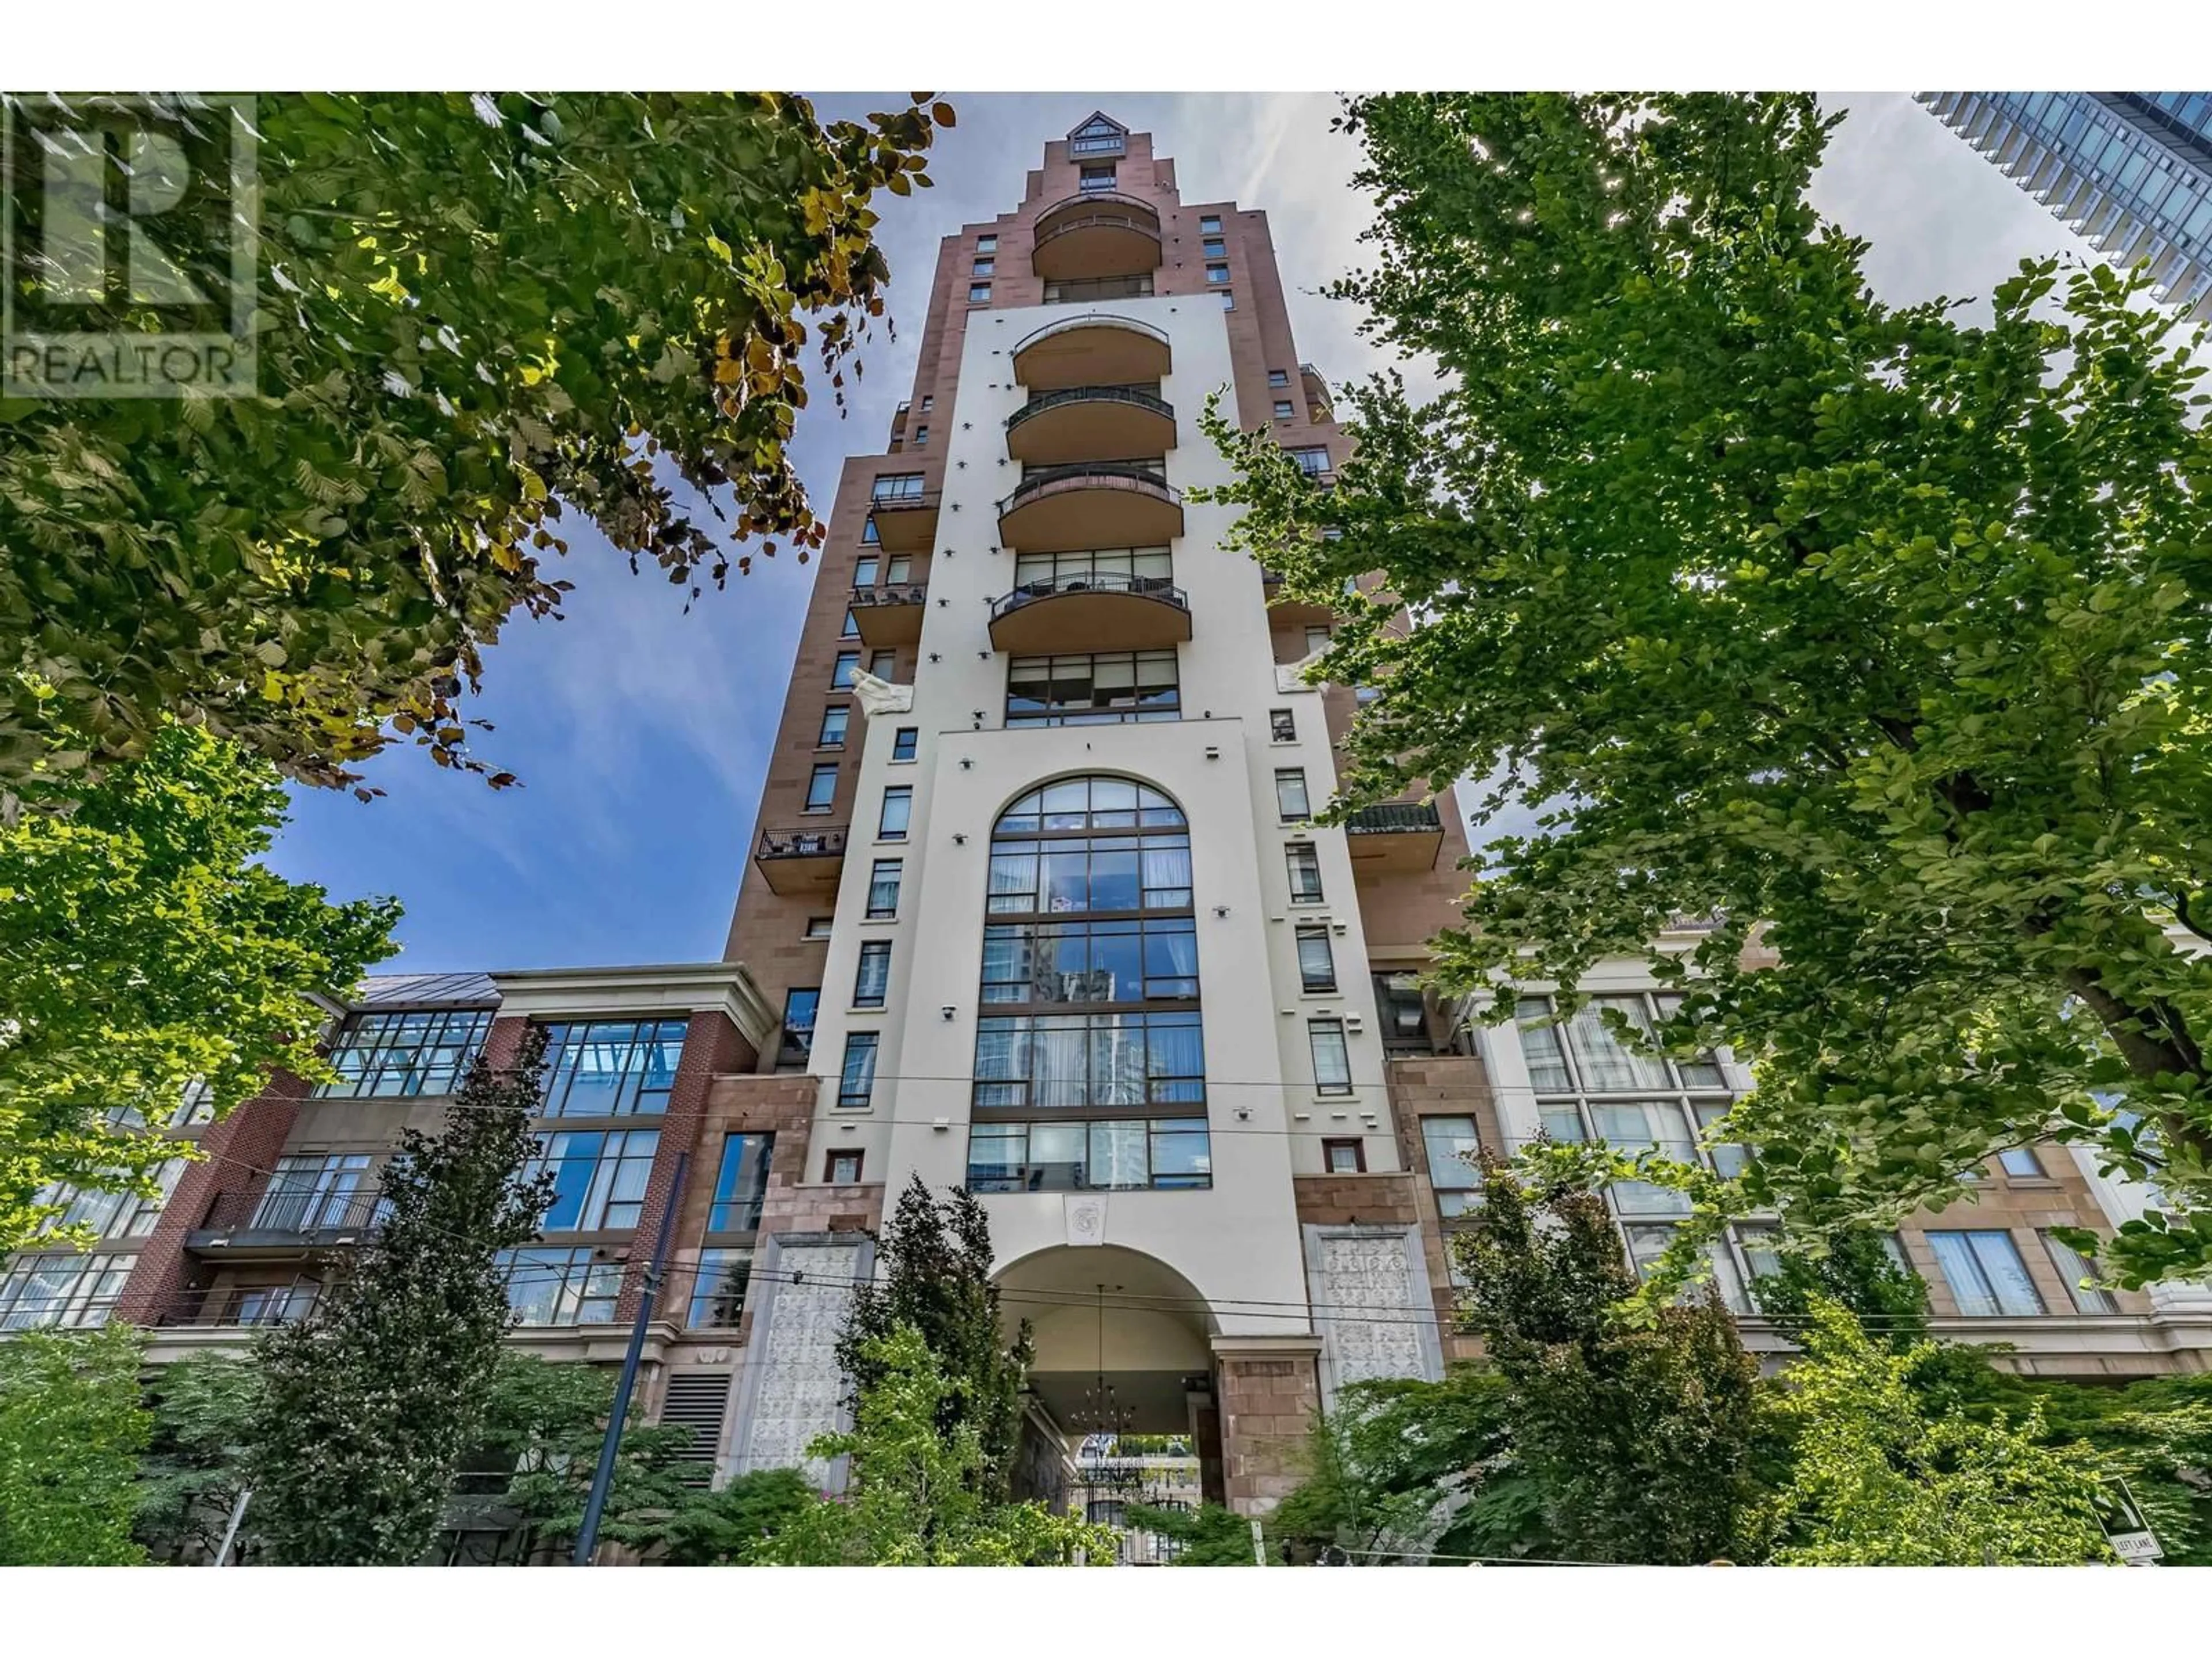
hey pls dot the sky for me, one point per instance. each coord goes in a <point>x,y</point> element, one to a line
<point>641,732</point>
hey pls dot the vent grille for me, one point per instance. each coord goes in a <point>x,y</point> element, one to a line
<point>698,1401</point>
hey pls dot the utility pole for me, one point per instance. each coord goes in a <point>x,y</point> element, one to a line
<point>230,1533</point>
<point>587,1535</point>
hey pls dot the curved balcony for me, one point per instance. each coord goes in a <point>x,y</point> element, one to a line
<point>906,524</point>
<point>1099,611</point>
<point>1085,422</point>
<point>888,615</point>
<point>1094,349</point>
<point>1099,234</point>
<point>1065,509</point>
<point>1284,607</point>
<point>1398,837</point>
<point>800,861</point>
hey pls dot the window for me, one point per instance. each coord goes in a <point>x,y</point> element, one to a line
<point>819,927</point>
<point>883,663</point>
<point>598,1178</point>
<point>1332,1061</point>
<point>800,1004</point>
<point>1346,1156</point>
<point>1316,966</point>
<point>896,487</point>
<point>1282,726</point>
<point>1404,1013</point>
<point>416,1051</point>
<point>1027,1061</point>
<point>987,245</point>
<point>929,403</point>
<point>1097,175</point>
<point>884,890</point>
<point>822,787</point>
<point>1090,844</point>
<point>851,631</point>
<point>842,1169</point>
<point>1283,410</point>
<point>1987,1278</point>
<point>270,1304</point>
<point>874,977</point>
<point>896,813</point>
<point>979,293</point>
<point>1113,566</point>
<point>920,441</point>
<point>1313,460</point>
<point>1451,1144</point>
<point>560,1286</point>
<point>1099,137</point>
<point>1116,1154</point>
<point>870,536</point>
<point>611,1067</point>
<point>832,734</point>
<point>1105,689</point>
<point>856,1082</point>
<point>1228,299</point>
<point>841,672</point>
<point>1291,795</point>
<point>741,1183</point>
<point>1209,224</point>
<point>1217,273</point>
<point>1305,865</point>
<point>902,742</point>
<point>899,568</point>
<point>984,268</point>
<point>1059,961</point>
<point>113,1215</point>
<point>718,1289</point>
<point>2075,1270</point>
<point>2022,1162</point>
<point>1214,247</point>
<point>310,1192</point>
<point>61,1290</point>
<point>1317,638</point>
<point>1279,377</point>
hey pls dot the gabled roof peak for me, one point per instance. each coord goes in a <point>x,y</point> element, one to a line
<point>1096,124</point>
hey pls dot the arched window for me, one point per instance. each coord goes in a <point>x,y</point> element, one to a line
<point>1089,1064</point>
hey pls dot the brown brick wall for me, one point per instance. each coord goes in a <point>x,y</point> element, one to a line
<point>712,1046</point>
<point>1267,1408</point>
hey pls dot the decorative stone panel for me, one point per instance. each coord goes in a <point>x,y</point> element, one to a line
<point>801,1295</point>
<point>1371,1304</point>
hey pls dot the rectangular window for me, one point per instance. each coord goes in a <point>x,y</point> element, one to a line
<point>270,1304</point>
<point>1228,299</point>
<point>1331,1060</point>
<point>987,245</point>
<point>1316,965</point>
<point>599,1178</point>
<point>883,663</point>
<point>312,1192</point>
<point>1105,689</point>
<point>1217,273</point>
<point>822,787</point>
<point>902,742</point>
<point>1318,635</point>
<point>1988,1279</point>
<point>842,672</point>
<point>1035,962</point>
<point>560,1286</point>
<point>741,1183</point>
<point>416,1052</point>
<point>929,403</point>
<point>1064,1061</point>
<point>819,927</point>
<point>1214,247</point>
<point>1313,460</point>
<point>111,1215</point>
<point>1115,1155</point>
<point>856,1082</point>
<point>1279,377</point>
<point>920,441</point>
<point>899,568</point>
<point>1450,1144</point>
<point>896,487</point>
<point>979,293</point>
<point>2075,1270</point>
<point>800,1004</point>
<point>864,572</point>
<point>1404,1010</point>
<point>1346,1156</point>
<point>1303,863</point>
<point>74,1291</point>
<point>842,1169</point>
<point>1541,1048</point>
<point>898,813</point>
<point>1209,224</point>
<point>1283,410</point>
<point>1291,804</point>
<point>2021,1161</point>
<point>874,977</point>
<point>884,890</point>
<point>984,268</point>
<point>1282,726</point>
<point>832,734</point>
<point>718,1289</point>
<point>1097,175</point>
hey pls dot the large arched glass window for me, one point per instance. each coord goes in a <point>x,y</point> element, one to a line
<point>1090,1064</point>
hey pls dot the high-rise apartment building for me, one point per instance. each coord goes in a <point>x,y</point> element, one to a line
<point>2132,171</point>
<point>1036,903</point>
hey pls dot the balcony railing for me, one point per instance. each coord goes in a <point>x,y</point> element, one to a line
<point>304,1212</point>
<point>1089,394</point>
<point>1396,818</point>
<point>1088,320</point>
<point>1103,475</point>
<point>1103,582</point>
<point>801,844</point>
<point>897,593</point>
<point>1073,290</point>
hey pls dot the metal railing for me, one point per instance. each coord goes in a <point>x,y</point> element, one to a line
<point>312,1212</point>
<point>1088,320</point>
<point>801,844</point>
<point>1102,474</point>
<point>921,498</point>
<point>1066,290</point>
<point>1036,405</point>
<point>1108,581</point>
<point>891,594</point>
<point>1397,818</point>
<point>1086,201</point>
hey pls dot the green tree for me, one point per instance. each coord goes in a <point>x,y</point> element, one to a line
<point>145,951</point>
<point>475,316</point>
<point>72,1428</point>
<point>203,1411</point>
<point>736,1526</point>
<point>936,1279</point>
<point>1851,1267</point>
<point>918,1492</point>
<point>1879,1481</point>
<point>1881,638</point>
<point>372,1401</point>
<point>1210,1535</point>
<point>1640,1439</point>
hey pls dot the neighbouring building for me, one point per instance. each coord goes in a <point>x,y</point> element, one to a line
<point>2130,172</point>
<point>1037,903</point>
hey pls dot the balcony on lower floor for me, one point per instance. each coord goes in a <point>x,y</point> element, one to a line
<point>794,862</point>
<point>1099,234</point>
<point>1398,837</point>
<point>1064,509</point>
<point>890,616</point>
<point>287,1222</point>
<point>1099,610</point>
<point>1096,348</point>
<point>1085,422</point>
<point>1284,607</point>
<point>907,522</point>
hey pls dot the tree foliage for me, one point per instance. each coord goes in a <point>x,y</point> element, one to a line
<point>72,1428</point>
<point>145,950</point>
<point>936,1280</point>
<point>1878,1481</point>
<point>1639,1440</point>
<point>1850,1268</point>
<point>738,1525</point>
<point>372,1401</point>
<point>1881,639</point>
<point>919,1492</point>
<point>204,1412</point>
<point>475,315</point>
<point>1210,1535</point>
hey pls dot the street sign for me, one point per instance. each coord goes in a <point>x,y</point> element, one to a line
<point>2135,1548</point>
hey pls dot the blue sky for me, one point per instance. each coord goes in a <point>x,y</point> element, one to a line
<point>642,733</point>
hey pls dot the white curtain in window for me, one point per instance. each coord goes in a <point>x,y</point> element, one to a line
<point>1608,1064</point>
